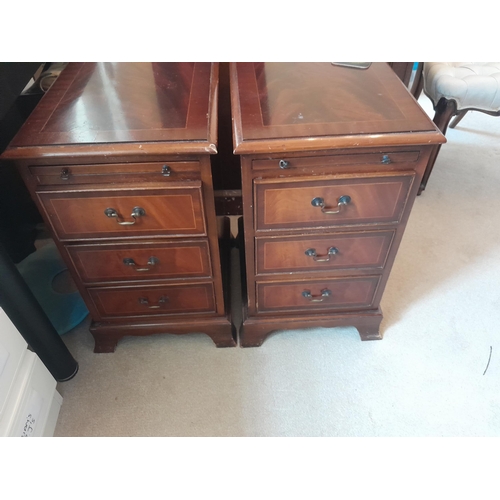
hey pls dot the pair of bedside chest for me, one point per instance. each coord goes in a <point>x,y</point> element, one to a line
<point>117,157</point>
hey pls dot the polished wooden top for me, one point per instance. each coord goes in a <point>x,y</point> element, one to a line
<point>124,107</point>
<point>312,106</point>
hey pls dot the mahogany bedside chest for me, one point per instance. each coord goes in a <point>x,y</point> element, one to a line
<point>331,159</point>
<point>117,159</point>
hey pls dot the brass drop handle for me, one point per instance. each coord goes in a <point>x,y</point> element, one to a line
<point>317,298</point>
<point>65,174</point>
<point>320,202</point>
<point>151,262</point>
<point>311,252</point>
<point>161,301</point>
<point>136,212</point>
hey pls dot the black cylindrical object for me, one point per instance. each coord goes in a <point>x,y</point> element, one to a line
<point>19,303</point>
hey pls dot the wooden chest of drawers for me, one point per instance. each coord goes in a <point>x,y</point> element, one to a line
<point>331,158</point>
<point>117,158</point>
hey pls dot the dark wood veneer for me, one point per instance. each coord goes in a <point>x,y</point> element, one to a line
<point>68,175</point>
<point>366,250</point>
<point>121,136</point>
<point>119,302</point>
<point>119,103</point>
<point>343,294</point>
<point>287,204</point>
<point>315,130</point>
<point>355,160</point>
<point>81,214</point>
<point>141,261</point>
<point>315,106</point>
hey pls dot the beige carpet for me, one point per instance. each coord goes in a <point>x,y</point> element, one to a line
<point>441,315</point>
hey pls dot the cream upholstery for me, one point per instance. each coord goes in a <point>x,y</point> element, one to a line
<point>472,85</point>
<point>455,88</point>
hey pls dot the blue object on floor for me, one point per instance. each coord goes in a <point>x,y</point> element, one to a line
<point>65,310</point>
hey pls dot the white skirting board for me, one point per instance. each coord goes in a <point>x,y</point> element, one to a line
<point>29,402</point>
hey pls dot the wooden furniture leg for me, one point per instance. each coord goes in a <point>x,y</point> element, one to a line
<point>256,330</point>
<point>418,83</point>
<point>222,335</point>
<point>105,344</point>
<point>457,118</point>
<point>445,110</point>
<point>107,335</point>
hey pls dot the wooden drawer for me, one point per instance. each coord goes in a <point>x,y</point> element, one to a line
<point>398,159</point>
<point>115,173</point>
<point>327,294</point>
<point>141,261</point>
<point>82,214</point>
<point>150,300</point>
<point>366,250</point>
<point>302,202</point>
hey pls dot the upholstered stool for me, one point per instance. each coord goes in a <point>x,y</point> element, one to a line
<point>455,88</point>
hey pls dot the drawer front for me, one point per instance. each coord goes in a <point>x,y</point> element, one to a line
<point>147,301</point>
<point>115,173</point>
<point>366,250</point>
<point>332,294</point>
<point>141,261</point>
<point>120,213</point>
<point>285,163</point>
<point>329,201</point>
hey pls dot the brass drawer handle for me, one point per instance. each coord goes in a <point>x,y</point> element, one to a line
<point>284,164</point>
<point>136,212</point>
<point>166,171</point>
<point>320,202</point>
<point>386,160</point>
<point>151,262</point>
<point>317,298</point>
<point>161,301</point>
<point>311,252</point>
